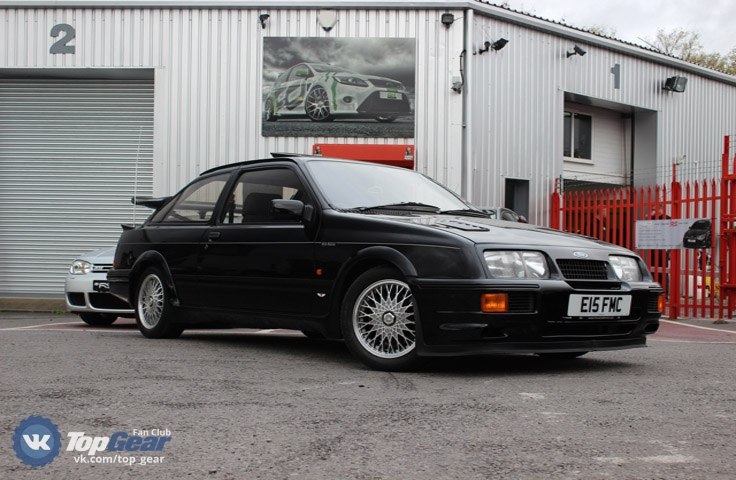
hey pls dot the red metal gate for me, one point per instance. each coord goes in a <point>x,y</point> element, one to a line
<point>700,282</point>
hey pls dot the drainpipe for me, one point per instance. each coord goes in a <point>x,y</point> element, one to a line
<point>467,143</point>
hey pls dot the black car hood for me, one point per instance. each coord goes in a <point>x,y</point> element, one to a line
<point>486,230</point>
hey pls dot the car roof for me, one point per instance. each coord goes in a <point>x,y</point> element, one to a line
<point>288,157</point>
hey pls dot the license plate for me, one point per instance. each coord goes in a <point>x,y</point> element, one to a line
<point>599,305</point>
<point>390,95</point>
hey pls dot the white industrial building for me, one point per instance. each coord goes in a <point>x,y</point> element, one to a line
<point>100,101</point>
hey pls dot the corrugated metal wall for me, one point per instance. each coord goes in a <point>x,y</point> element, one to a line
<point>518,96</point>
<point>208,76</point>
<point>72,153</point>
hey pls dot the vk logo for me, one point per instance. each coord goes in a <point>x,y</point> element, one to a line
<point>36,441</point>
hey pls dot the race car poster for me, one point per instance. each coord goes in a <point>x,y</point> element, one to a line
<point>338,87</point>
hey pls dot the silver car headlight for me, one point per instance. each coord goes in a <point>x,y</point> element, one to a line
<point>80,267</point>
<point>509,264</point>
<point>626,268</point>
<point>352,81</point>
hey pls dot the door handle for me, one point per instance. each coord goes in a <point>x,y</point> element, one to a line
<point>213,236</point>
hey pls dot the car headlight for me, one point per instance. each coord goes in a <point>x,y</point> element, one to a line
<point>352,81</point>
<point>80,267</point>
<point>626,268</point>
<point>516,265</point>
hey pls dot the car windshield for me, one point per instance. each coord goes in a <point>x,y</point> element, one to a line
<point>321,68</point>
<point>354,185</point>
<point>701,225</point>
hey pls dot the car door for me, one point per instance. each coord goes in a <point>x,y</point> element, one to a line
<point>257,260</point>
<point>177,232</point>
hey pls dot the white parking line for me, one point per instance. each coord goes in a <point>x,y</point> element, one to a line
<point>27,327</point>
<point>691,341</point>
<point>672,322</point>
<point>219,331</point>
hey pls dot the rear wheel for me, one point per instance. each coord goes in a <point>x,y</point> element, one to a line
<point>98,319</point>
<point>269,111</point>
<point>378,320</point>
<point>153,309</point>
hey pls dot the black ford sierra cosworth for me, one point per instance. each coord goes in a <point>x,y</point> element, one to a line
<point>385,258</point>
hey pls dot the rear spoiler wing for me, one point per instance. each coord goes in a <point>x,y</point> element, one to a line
<point>150,202</point>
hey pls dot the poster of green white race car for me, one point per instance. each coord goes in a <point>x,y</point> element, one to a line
<point>337,81</point>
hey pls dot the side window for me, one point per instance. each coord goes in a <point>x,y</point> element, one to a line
<point>250,199</point>
<point>196,203</point>
<point>577,131</point>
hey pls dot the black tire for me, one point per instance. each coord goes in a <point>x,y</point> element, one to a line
<point>562,355</point>
<point>269,112</point>
<point>98,319</point>
<point>385,118</point>
<point>154,313</point>
<point>387,339</point>
<point>317,105</point>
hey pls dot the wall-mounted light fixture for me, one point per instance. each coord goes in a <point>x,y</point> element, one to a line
<point>447,19</point>
<point>327,19</point>
<point>499,44</point>
<point>496,46</point>
<point>262,18</point>
<point>675,84</point>
<point>576,51</point>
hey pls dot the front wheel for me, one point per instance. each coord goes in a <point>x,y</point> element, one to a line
<point>153,309</point>
<point>378,320</point>
<point>317,105</point>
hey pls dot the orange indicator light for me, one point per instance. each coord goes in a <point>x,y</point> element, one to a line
<point>660,303</point>
<point>494,302</point>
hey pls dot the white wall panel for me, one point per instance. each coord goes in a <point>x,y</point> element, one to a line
<point>208,66</point>
<point>519,100</point>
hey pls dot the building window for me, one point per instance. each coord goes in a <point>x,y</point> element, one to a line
<point>578,129</point>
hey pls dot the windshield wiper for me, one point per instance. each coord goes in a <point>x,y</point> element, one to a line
<point>412,206</point>
<point>466,212</point>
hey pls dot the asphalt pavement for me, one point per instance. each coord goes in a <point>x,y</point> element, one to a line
<point>242,404</point>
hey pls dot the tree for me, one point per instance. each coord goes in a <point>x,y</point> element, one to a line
<point>686,45</point>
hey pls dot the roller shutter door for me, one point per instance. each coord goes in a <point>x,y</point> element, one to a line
<point>72,153</point>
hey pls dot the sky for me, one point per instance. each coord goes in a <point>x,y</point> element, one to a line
<point>714,20</point>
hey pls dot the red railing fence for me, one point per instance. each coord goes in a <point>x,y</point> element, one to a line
<point>698,268</point>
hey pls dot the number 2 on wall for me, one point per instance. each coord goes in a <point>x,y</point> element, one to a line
<point>62,44</point>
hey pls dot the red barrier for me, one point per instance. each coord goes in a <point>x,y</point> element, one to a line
<point>700,282</point>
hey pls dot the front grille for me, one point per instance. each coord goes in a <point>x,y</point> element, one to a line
<point>375,105</point>
<point>653,303</point>
<point>107,301</point>
<point>101,268</point>
<point>75,299</point>
<point>522,302</point>
<point>583,269</point>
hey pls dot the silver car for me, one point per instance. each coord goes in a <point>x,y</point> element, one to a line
<point>87,290</point>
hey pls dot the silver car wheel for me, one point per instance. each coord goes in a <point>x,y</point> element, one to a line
<point>383,319</point>
<point>317,104</point>
<point>151,301</point>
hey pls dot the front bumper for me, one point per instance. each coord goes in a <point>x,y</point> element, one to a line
<point>451,322</point>
<point>81,296</point>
